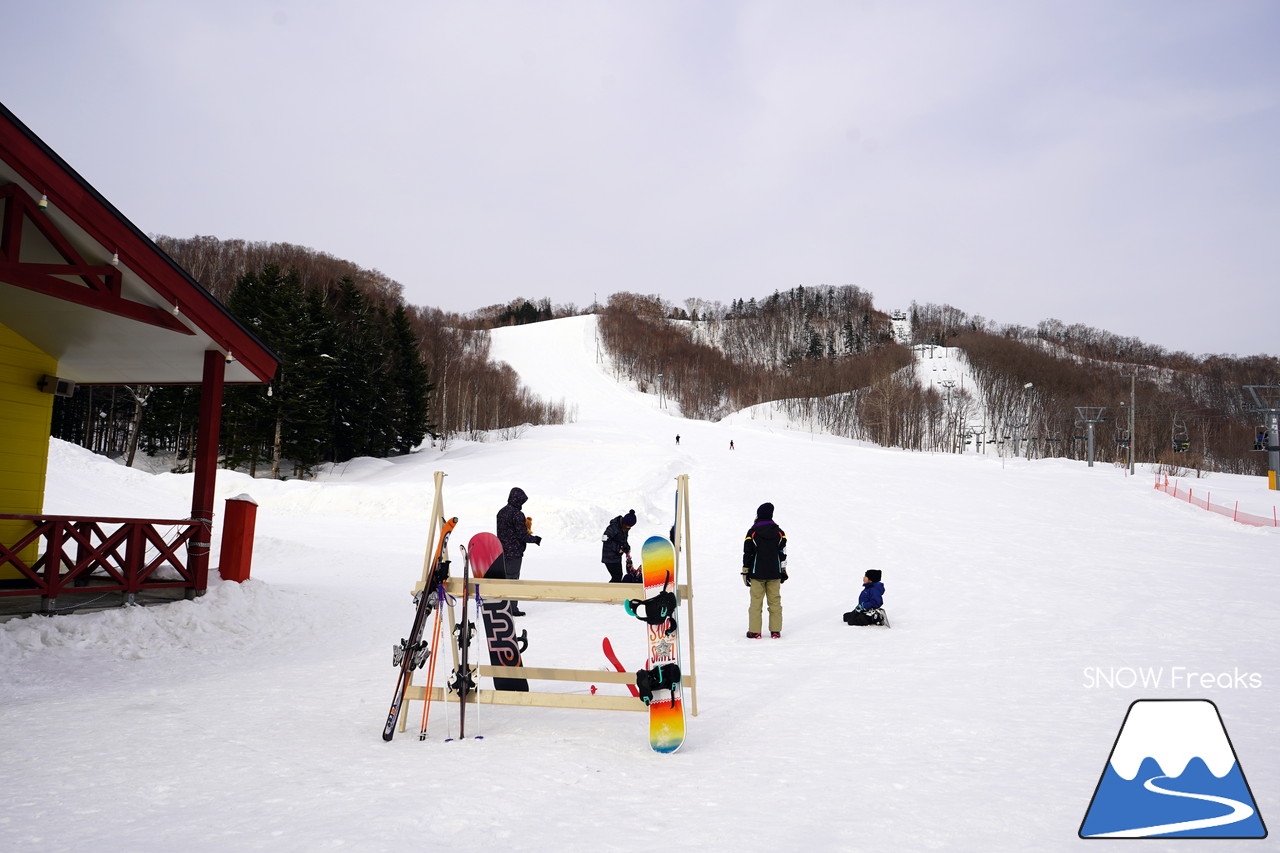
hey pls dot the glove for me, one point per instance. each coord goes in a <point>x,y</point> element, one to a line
<point>537,540</point>
<point>784,575</point>
<point>746,581</point>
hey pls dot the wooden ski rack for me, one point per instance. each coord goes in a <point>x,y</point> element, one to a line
<point>575,592</point>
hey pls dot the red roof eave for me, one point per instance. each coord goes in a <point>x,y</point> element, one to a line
<point>74,198</point>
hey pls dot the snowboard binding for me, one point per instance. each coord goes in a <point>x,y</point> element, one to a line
<point>658,610</point>
<point>663,677</point>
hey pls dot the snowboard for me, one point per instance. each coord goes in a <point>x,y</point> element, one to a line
<point>662,680</point>
<point>505,646</point>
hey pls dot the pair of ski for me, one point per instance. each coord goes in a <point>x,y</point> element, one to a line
<point>483,554</point>
<point>414,652</point>
<point>659,684</point>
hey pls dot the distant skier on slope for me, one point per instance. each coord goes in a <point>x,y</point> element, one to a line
<point>616,545</point>
<point>764,570</point>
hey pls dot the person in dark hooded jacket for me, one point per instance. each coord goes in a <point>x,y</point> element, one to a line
<point>514,533</point>
<point>764,570</point>
<point>616,544</point>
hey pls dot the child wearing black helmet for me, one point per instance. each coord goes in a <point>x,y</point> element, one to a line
<point>870,602</point>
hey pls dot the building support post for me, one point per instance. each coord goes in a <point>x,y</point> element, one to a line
<point>206,467</point>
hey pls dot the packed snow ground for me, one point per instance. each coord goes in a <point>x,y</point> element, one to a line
<point>1024,597</point>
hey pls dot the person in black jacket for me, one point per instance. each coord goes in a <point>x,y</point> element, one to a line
<point>616,545</point>
<point>764,570</point>
<point>513,533</point>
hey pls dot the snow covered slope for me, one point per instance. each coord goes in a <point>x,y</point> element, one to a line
<point>250,719</point>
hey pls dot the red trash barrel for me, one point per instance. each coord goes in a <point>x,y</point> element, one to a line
<point>237,538</point>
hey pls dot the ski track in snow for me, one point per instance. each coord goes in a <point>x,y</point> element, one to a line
<point>250,719</point>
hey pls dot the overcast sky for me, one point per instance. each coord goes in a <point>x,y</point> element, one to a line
<point>1108,162</point>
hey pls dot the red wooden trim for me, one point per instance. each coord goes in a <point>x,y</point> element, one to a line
<point>73,197</point>
<point>206,463</point>
<point>158,522</point>
<point>24,207</point>
<point>122,554</point>
<point>27,276</point>
<point>166,552</point>
<point>11,227</point>
<point>9,555</point>
<point>102,278</point>
<point>53,557</point>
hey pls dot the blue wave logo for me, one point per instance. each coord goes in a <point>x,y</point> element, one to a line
<point>1173,773</point>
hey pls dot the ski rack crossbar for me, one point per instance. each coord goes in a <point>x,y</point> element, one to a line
<point>579,592</point>
<point>588,592</point>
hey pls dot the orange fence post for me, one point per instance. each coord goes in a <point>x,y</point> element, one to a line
<point>237,538</point>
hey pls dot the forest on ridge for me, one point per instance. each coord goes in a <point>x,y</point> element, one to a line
<point>363,373</point>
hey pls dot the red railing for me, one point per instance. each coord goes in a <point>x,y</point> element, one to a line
<point>1206,502</point>
<point>127,555</point>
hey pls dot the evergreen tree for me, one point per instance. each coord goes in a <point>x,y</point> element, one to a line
<point>259,300</point>
<point>813,351</point>
<point>355,387</point>
<point>411,384</point>
<point>305,439</point>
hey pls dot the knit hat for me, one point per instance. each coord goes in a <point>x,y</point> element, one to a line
<point>630,518</point>
<point>873,575</point>
<point>765,512</point>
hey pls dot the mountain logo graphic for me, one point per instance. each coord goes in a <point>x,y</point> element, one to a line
<point>1173,773</point>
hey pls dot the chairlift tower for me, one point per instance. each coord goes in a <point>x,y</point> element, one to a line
<point>1090,416</point>
<point>976,433</point>
<point>1266,401</point>
<point>1132,407</point>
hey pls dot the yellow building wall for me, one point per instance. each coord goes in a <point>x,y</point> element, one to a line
<point>26,413</point>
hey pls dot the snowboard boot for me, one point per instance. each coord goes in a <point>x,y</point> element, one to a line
<point>777,635</point>
<point>753,635</point>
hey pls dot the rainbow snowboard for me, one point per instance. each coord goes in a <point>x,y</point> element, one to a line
<point>666,705</point>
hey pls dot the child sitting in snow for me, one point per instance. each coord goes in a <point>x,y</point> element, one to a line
<point>870,602</point>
